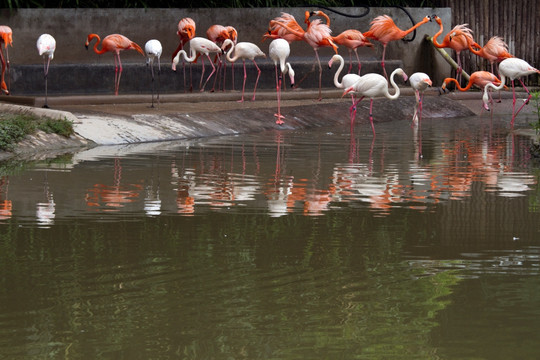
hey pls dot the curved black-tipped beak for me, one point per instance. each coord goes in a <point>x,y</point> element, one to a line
<point>86,46</point>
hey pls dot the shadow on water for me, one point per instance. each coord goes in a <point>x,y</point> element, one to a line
<point>416,244</point>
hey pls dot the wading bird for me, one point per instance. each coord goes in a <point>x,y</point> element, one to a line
<point>384,30</point>
<point>279,51</point>
<point>218,34</point>
<point>514,68</point>
<point>279,32</point>
<point>458,43</point>
<point>153,50</point>
<point>419,82</point>
<point>348,80</point>
<point>317,35</point>
<point>352,40</point>
<point>374,85</point>
<point>6,38</point>
<point>186,32</point>
<point>46,46</point>
<point>199,45</point>
<point>114,43</point>
<point>479,79</point>
<point>244,50</point>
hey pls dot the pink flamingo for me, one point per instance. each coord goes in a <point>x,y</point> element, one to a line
<point>186,32</point>
<point>384,30</point>
<point>218,34</point>
<point>352,40</point>
<point>514,68</point>
<point>114,43</point>
<point>244,50</point>
<point>478,78</point>
<point>6,38</point>
<point>374,85</point>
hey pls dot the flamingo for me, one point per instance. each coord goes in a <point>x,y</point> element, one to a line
<point>153,50</point>
<point>352,40</point>
<point>458,43</point>
<point>279,51</point>
<point>186,32</point>
<point>6,38</point>
<point>46,45</point>
<point>218,34</point>
<point>279,32</point>
<point>384,30</point>
<point>494,51</point>
<point>114,43</point>
<point>317,35</point>
<point>419,82</point>
<point>374,85</point>
<point>347,80</point>
<point>479,79</point>
<point>199,45</point>
<point>244,50</point>
<point>514,68</point>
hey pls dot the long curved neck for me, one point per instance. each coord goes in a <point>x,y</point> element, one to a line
<point>406,32</point>
<point>228,55</point>
<point>439,45</point>
<point>469,85</point>
<point>338,84</point>
<point>473,50</point>
<point>498,87</point>
<point>394,85</point>
<point>98,40</point>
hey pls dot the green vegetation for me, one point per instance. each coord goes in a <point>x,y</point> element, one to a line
<point>19,4</point>
<point>13,128</point>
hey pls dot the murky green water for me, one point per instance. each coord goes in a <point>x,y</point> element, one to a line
<point>283,245</point>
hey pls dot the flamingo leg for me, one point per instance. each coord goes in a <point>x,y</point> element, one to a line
<point>256,81</point>
<point>153,86</point>
<point>358,59</point>
<point>513,104</point>
<point>46,72</point>
<point>159,79</point>
<point>279,117</point>
<point>218,73</point>
<point>202,74</point>
<point>232,69</point>
<point>350,61</point>
<point>382,62</point>
<point>212,73</point>
<point>320,74</point>
<point>3,85</point>
<point>244,83</point>
<point>526,101</point>
<point>371,117</point>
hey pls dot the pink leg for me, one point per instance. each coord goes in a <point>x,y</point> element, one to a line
<point>213,71</point>
<point>350,61</point>
<point>359,63</point>
<point>513,104</point>
<point>320,74</point>
<point>525,102</point>
<point>244,83</point>
<point>371,117</point>
<point>256,81</point>
<point>218,73</point>
<point>279,117</point>
<point>202,75</point>
<point>384,69</point>
<point>232,70</point>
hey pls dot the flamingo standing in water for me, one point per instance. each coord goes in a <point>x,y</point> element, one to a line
<point>199,45</point>
<point>352,40</point>
<point>384,30</point>
<point>347,80</point>
<point>244,50</point>
<point>457,43</point>
<point>279,51</point>
<point>479,79</point>
<point>46,44</point>
<point>514,68</point>
<point>114,43</point>
<point>218,34</point>
<point>6,38</point>
<point>153,50</point>
<point>317,35</point>
<point>186,32</point>
<point>419,82</point>
<point>374,85</point>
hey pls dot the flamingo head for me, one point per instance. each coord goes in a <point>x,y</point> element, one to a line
<point>348,90</point>
<point>437,19</point>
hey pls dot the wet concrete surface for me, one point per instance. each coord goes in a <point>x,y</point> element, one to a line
<point>126,119</point>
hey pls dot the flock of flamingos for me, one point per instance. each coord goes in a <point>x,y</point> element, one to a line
<point>222,41</point>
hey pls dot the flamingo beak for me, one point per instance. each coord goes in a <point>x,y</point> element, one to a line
<point>348,90</point>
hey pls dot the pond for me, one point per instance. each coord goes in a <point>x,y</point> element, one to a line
<point>319,244</point>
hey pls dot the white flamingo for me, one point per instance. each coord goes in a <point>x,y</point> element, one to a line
<point>374,85</point>
<point>153,50</point>
<point>201,46</point>
<point>419,82</point>
<point>46,45</point>
<point>347,80</point>
<point>244,50</point>
<point>279,51</point>
<point>513,68</point>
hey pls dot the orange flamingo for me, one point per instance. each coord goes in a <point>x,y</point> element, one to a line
<point>317,35</point>
<point>494,51</point>
<point>278,32</point>
<point>218,34</point>
<point>114,43</point>
<point>186,32</point>
<point>384,30</point>
<point>352,39</point>
<point>457,43</point>
<point>479,79</point>
<point>6,38</point>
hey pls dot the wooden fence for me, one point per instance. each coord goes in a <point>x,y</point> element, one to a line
<point>517,22</point>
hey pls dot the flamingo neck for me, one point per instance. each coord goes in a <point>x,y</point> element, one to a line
<point>336,76</point>
<point>228,55</point>
<point>394,85</point>
<point>439,45</point>
<point>98,40</point>
<point>469,85</point>
<point>498,87</point>
<point>406,32</point>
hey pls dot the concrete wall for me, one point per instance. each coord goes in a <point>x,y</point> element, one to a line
<point>70,27</point>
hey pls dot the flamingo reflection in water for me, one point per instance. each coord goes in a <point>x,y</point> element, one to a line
<point>6,206</point>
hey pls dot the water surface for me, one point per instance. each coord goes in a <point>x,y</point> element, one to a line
<point>317,244</point>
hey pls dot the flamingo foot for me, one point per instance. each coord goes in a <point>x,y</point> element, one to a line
<point>240,101</point>
<point>279,120</point>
